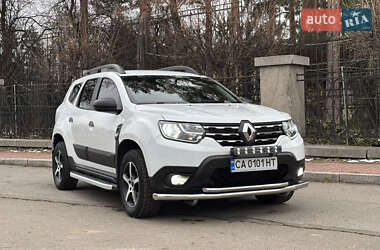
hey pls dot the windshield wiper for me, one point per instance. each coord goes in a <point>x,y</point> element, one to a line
<point>208,102</point>
<point>163,102</point>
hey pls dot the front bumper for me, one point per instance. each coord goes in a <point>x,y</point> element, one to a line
<point>214,173</point>
<point>234,192</point>
<point>179,154</point>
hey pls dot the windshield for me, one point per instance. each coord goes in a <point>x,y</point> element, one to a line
<point>173,89</point>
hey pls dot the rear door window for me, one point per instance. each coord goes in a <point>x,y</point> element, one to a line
<point>85,101</point>
<point>74,93</point>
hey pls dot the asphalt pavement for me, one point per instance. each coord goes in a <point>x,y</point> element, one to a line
<point>34,215</point>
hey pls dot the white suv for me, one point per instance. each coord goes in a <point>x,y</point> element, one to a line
<point>172,134</point>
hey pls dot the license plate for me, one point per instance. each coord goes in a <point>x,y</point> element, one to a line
<point>253,164</point>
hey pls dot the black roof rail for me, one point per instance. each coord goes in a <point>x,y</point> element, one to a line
<point>181,69</point>
<point>108,67</point>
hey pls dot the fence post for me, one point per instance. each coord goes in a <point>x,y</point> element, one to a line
<point>279,86</point>
<point>345,103</point>
<point>15,107</point>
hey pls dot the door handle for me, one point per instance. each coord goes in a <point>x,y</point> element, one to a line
<point>91,124</point>
<point>71,120</point>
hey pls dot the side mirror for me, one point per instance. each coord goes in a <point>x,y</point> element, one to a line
<point>106,105</point>
<point>245,100</point>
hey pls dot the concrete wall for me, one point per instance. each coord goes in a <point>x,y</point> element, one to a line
<point>279,86</point>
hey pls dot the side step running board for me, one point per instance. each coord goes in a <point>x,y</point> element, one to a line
<point>93,181</point>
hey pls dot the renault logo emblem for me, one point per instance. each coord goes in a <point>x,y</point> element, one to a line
<point>247,132</point>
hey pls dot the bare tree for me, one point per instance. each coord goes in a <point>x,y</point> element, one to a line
<point>219,37</point>
<point>84,32</point>
<point>21,33</point>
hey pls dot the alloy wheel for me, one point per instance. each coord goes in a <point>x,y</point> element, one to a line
<point>131,182</point>
<point>59,166</point>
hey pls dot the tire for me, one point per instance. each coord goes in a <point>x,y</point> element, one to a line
<point>275,198</point>
<point>136,197</point>
<point>61,168</point>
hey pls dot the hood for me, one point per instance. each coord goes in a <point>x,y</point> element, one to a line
<point>214,113</point>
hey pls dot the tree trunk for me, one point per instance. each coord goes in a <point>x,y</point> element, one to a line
<point>272,20</point>
<point>209,27</point>
<point>173,6</point>
<point>4,48</point>
<point>236,18</point>
<point>2,18</point>
<point>3,57</point>
<point>142,33</point>
<point>235,12</point>
<point>333,105</point>
<point>292,21</point>
<point>84,32</point>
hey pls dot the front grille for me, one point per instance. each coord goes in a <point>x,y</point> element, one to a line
<point>228,134</point>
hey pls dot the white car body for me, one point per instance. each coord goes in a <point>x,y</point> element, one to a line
<point>139,124</point>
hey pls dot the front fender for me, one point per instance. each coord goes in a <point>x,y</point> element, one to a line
<point>143,132</point>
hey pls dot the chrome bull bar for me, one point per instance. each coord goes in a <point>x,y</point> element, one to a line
<point>233,192</point>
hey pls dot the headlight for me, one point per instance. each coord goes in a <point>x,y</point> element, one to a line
<point>290,129</point>
<point>186,132</point>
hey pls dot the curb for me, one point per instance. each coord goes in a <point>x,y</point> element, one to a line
<point>341,151</point>
<point>26,162</point>
<point>308,176</point>
<point>342,177</point>
<point>25,143</point>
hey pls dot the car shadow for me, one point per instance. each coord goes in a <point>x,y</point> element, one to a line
<point>93,195</point>
<point>224,209</point>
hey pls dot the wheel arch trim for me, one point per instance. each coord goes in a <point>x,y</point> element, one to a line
<point>124,146</point>
<point>57,137</point>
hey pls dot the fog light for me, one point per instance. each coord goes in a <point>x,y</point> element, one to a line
<point>178,180</point>
<point>300,172</point>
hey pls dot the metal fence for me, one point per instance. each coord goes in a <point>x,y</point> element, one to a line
<point>342,103</point>
<point>28,111</point>
<point>244,86</point>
